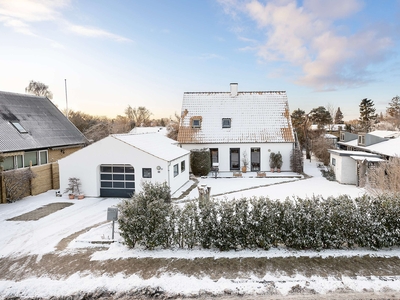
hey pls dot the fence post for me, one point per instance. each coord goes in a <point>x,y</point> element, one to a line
<point>3,195</point>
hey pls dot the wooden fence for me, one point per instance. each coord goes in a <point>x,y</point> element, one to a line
<point>46,178</point>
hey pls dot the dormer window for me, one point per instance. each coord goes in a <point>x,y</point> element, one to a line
<point>342,136</point>
<point>19,127</point>
<point>196,123</point>
<point>361,139</point>
<point>226,123</point>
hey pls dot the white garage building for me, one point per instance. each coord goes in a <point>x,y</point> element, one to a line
<point>116,165</point>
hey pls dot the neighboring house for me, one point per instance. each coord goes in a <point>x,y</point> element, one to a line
<point>116,165</point>
<point>351,167</point>
<point>362,151</point>
<point>158,129</point>
<point>230,123</point>
<point>34,132</point>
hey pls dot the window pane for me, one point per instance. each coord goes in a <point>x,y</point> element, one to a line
<point>106,169</point>
<point>19,161</point>
<point>106,184</point>
<point>129,169</point>
<point>130,177</point>
<point>118,184</point>
<point>8,163</point>
<point>43,157</point>
<point>146,172</point>
<point>105,176</point>
<point>118,177</point>
<point>118,169</point>
<point>30,156</point>
<point>176,171</point>
<point>130,185</point>
<point>182,166</point>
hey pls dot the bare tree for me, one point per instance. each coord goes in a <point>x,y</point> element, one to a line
<point>139,117</point>
<point>385,177</point>
<point>39,89</point>
<point>173,127</point>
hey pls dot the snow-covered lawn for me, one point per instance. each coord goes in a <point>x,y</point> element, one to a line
<point>20,238</point>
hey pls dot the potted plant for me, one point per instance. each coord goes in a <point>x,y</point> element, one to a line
<point>278,161</point>
<point>272,162</point>
<point>245,161</point>
<point>74,188</point>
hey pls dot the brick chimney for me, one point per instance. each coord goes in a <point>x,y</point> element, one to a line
<point>234,89</point>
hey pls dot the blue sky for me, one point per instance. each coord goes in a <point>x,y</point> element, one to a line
<point>148,53</point>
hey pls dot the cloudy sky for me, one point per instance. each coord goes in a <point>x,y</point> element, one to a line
<point>148,53</point>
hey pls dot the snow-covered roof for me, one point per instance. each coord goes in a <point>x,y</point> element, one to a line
<point>331,127</point>
<point>351,153</point>
<point>154,144</point>
<point>330,136</point>
<point>389,147</point>
<point>385,133</point>
<point>367,158</point>
<point>254,117</point>
<point>157,129</point>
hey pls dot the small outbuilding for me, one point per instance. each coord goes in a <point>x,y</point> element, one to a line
<point>351,167</point>
<point>117,165</point>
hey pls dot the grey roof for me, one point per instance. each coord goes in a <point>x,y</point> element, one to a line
<point>45,124</point>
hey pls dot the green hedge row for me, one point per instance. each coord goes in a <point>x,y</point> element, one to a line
<point>316,223</point>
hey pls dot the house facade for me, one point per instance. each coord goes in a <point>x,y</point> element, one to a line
<point>361,152</point>
<point>34,133</point>
<point>233,124</point>
<point>117,165</point>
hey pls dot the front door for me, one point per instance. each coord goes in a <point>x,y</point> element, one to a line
<point>255,159</point>
<point>235,158</point>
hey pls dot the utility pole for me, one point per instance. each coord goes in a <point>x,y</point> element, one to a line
<point>66,98</point>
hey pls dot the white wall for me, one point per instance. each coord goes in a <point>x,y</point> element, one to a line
<point>85,164</point>
<point>182,178</point>
<point>345,169</point>
<point>265,149</point>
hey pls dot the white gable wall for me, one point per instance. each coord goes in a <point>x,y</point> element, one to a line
<point>85,164</point>
<point>265,148</point>
<point>345,169</point>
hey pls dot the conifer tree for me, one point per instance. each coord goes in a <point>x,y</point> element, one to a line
<point>339,117</point>
<point>367,114</point>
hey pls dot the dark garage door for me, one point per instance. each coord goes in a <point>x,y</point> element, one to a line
<point>117,181</point>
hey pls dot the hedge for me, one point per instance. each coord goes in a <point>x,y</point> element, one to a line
<point>312,223</point>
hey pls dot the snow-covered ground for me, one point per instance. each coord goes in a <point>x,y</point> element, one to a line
<point>20,238</point>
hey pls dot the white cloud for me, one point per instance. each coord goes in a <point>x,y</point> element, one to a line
<point>22,14</point>
<point>305,37</point>
<point>95,33</point>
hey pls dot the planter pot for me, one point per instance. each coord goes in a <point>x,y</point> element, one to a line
<point>80,197</point>
<point>71,196</point>
<point>278,170</point>
<point>244,169</point>
<point>272,170</point>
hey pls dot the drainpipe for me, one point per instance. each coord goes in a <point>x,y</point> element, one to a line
<point>169,183</point>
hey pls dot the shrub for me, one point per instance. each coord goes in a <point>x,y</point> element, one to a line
<point>18,183</point>
<point>145,217</point>
<point>200,162</point>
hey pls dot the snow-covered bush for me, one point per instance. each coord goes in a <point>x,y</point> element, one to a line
<point>311,223</point>
<point>145,218</point>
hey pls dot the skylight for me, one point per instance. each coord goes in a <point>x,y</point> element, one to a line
<point>19,127</point>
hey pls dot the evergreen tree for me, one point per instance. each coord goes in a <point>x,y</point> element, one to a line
<point>394,110</point>
<point>367,114</point>
<point>339,117</point>
<point>394,107</point>
<point>320,116</point>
